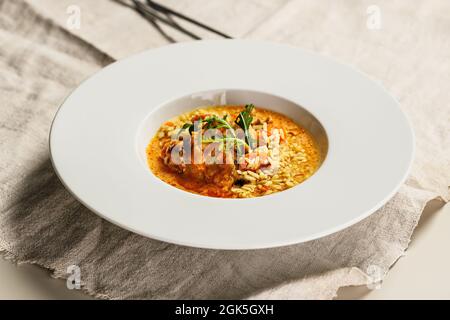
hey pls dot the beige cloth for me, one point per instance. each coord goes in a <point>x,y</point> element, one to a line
<point>42,60</point>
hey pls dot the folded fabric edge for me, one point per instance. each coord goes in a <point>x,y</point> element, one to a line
<point>331,281</point>
<point>327,284</point>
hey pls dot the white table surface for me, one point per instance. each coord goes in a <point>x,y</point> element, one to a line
<point>421,274</point>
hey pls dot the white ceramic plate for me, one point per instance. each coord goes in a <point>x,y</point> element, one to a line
<point>100,133</point>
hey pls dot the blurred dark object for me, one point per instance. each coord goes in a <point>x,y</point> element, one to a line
<point>155,12</point>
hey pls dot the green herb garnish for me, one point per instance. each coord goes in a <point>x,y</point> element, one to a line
<point>244,120</point>
<point>189,126</point>
<point>214,122</point>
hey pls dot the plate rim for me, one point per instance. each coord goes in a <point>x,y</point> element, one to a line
<point>272,243</point>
